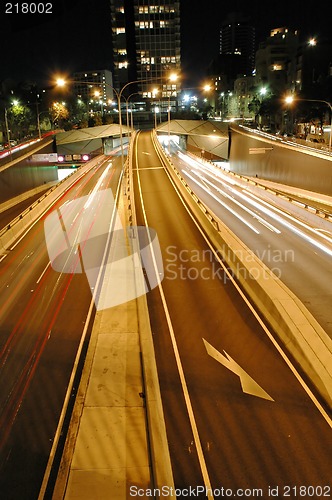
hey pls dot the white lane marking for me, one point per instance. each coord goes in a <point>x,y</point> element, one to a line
<point>177,358</point>
<point>267,225</point>
<point>150,168</point>
<point>248,384</point>
<point>42,274</point>
<point>256,315</point>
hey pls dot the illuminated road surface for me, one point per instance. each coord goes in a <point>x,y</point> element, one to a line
<point>236,414</point>
<point>297,252</point>
<point>43,316</point>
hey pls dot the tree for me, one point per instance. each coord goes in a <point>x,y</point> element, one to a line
<point>59,114</point>
<point>19,117</point>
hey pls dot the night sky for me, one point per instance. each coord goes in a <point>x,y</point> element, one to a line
<point>77,36</point>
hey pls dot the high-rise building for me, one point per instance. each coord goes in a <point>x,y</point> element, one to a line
<point>237,39</point>
<point>276,58</point>
<point>146,44</point>
<point>96,81</point>
<point>124,59</point>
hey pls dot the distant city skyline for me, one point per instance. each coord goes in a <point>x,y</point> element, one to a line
<point>79,37</point>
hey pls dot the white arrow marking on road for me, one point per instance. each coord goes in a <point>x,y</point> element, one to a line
<point>249,386</point>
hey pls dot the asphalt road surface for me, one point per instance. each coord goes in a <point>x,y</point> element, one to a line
<point>205,337</point>
<point>44,313</point>
<point>298,252</point>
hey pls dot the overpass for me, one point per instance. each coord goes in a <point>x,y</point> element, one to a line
<point>102,139</point>
<point>208,138</point>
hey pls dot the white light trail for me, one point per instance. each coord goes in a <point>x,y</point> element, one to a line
<point>222,203</point>
<point>243,207</point>
<point>263,206</point>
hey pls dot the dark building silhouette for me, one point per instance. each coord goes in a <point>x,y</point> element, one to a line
<point>237,38</point>
<point>313,69</point>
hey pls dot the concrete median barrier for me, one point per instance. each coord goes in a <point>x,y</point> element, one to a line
<point>160,457</point>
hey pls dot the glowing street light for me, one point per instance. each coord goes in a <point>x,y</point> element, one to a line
<point>61,82</point>
<point>290,99</point>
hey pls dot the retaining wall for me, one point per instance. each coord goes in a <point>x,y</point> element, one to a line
<point>281,162</point>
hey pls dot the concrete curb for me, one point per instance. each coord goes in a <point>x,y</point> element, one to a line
<point>299,331</point>
<point>160,457</point>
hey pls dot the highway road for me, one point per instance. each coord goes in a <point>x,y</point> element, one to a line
<point>299,253</point>
<point>6,216</point>
<point>266,437</point>
<point>45,320</point>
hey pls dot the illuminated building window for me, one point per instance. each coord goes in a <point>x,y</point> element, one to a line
<point>145,25</point>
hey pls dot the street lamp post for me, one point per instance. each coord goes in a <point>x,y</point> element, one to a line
<point>16,102</point>
<point>156,110</point>
<point>131,124</point>
<point>97,94</point>
<point>172,78</point>
<point>8,134</point>
<point>290,99</point>
<point>38,122</point>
